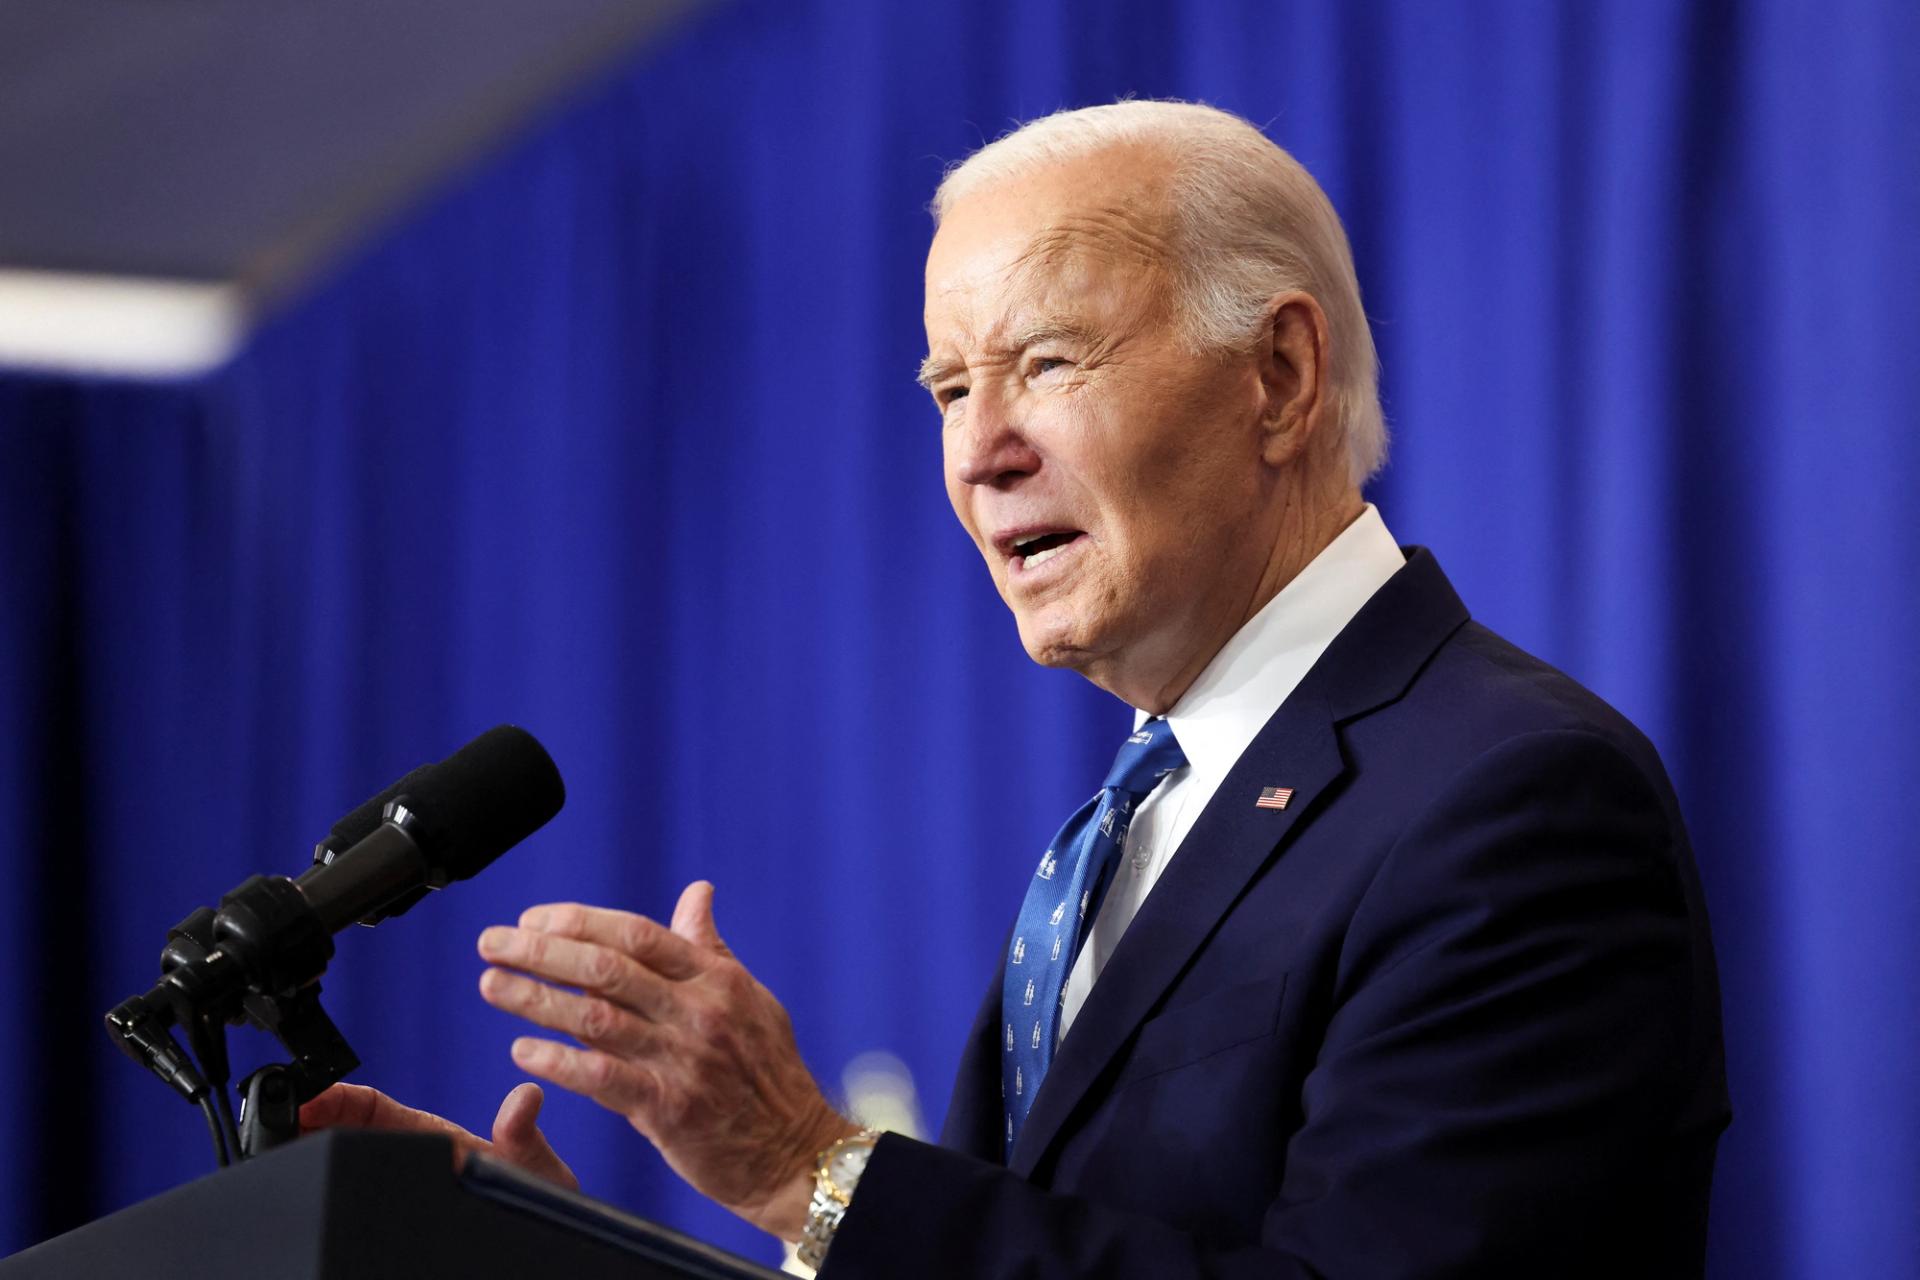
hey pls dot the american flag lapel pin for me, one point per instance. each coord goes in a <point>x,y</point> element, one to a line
<point>1273,798</point>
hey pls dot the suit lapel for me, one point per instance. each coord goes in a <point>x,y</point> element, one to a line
<point>1372,662</point>
<point>1297,749</point>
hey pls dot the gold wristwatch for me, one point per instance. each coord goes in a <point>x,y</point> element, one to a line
<point>836,1171</point>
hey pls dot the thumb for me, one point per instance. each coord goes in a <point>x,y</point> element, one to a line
<point>693,917</point>
<point>517,1138</point>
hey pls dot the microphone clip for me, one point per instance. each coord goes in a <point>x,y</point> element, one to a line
<point>252,961</point>
<point>270,1097</point>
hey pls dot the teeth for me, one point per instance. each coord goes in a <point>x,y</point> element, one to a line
<point>1041,557</point>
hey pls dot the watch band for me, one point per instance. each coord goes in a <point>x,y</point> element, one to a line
<point>836,1172</point>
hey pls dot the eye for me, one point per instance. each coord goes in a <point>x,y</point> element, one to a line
<point>947,397</point>
<point>1047,367</point>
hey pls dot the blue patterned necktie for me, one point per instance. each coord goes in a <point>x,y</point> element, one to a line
<point>1060,907</point>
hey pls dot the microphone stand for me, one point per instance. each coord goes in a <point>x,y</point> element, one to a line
<point>259,957</point>
<point>201,989</point>
<point>271,1096</point>
<point>188,943</point>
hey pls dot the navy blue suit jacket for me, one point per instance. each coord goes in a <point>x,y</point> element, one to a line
<point>1452,1012</point>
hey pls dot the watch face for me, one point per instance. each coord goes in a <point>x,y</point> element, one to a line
<point>848,1163</point>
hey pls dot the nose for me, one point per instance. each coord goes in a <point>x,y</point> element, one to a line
<point>987,446</point>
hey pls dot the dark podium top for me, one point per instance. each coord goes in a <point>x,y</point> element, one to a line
<point>372,1206</point>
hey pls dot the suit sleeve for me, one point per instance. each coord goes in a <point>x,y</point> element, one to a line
<point>1506,1047</point>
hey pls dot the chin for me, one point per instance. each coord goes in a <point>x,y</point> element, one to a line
<point>1053,642</point>
<point>1054,655</point>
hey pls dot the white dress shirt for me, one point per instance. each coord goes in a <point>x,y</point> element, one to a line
<point>1219,716</point>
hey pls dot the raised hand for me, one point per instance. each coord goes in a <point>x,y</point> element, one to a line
<point>677,1037</point>
<point>516,1137</point>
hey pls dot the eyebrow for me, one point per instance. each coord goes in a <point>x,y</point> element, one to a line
<point>1047,329</point>
<point>932,371</point>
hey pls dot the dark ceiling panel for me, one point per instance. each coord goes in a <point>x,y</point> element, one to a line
<point>241,141</point>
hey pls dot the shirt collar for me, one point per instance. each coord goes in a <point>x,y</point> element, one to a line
<point>1229,703</point>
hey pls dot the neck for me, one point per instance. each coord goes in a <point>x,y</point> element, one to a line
<point>1155,682</point>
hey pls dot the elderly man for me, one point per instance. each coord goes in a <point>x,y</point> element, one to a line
<point>1379,951</point>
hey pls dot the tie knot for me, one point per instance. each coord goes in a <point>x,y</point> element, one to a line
<point>1145,758</point>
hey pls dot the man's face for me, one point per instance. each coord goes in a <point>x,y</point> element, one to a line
<point>1111,478</point>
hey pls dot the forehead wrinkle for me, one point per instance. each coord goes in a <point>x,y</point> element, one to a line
<point>937,362</point>
<point>1013,336</point>
<point>1121,234</point>
<point>1116,233</point>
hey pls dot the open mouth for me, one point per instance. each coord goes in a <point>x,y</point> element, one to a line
<point>1042,547</point>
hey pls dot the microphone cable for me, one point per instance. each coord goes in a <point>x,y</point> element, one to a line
<point>214,1127</point>
<point>230,1128</point>
<point>272,936</point>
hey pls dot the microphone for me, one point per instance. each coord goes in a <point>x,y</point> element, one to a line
<point>363,821</point>
<point>360,824</point>
<point>260,956</point>
<point>440,823</point>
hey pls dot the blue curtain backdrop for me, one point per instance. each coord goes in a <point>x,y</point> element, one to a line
<point>618,439</point>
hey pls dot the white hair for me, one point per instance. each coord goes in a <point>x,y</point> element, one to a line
<point>1248,222</point>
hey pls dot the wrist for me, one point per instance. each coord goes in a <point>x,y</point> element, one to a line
<point>837,1172</point>
<point>785,1213</point>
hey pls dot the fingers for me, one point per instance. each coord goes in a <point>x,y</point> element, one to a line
<point>590,1018</point>
<point>610,1081</point>
<point>635,978</point>
<point>518,1140</point>
<point>336,1107</point>
<point>587,965</point>
<point>645,941</point>
<point>355,1106</point>
<point>673,1034</point>
<point>519,1115</point>
<point>693,918</point>
<point>516,1137</point>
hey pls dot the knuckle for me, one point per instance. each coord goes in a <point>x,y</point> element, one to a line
<point>602,968</point>
<point>533,948</point>
<point>645,1089</point>
<point>735,985</point>
<point>566,918</point>
<point>637,935</point>
<point>599,1072</point>
<point>598,1020</point>
<point>671,1109</point>
<point>709,1022</point>
<point>540,1000</point>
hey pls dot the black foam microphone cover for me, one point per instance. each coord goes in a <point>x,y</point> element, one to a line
<point>482,800</point>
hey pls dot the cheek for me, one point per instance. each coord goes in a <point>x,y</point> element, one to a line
<point>1181,474</point>
<point>1134,462</point>
<point>1106,459</point>
<point>1204,441</point>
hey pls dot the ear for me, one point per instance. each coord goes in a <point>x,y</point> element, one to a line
<point>1293,373</point>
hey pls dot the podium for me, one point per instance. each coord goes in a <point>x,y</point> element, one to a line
<point>374,1206</point>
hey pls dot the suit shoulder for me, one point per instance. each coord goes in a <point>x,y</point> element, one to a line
<point>1479,693</point>
<point>1514,692</point>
